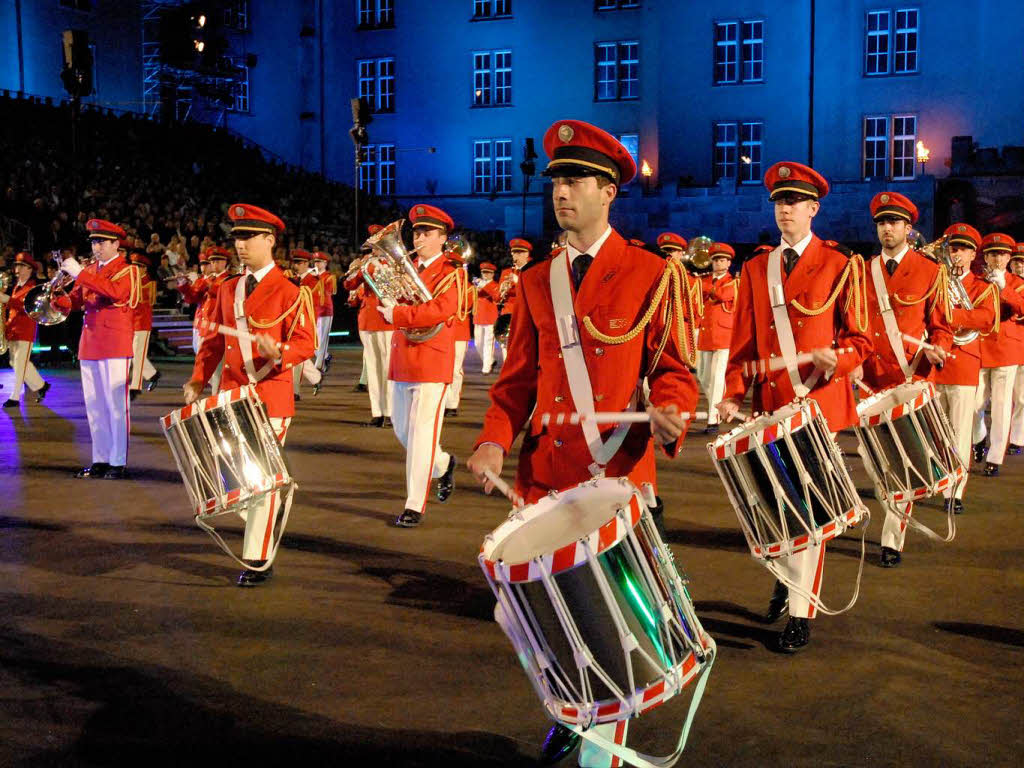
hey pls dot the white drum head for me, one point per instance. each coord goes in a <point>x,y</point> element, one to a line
<point>883,402</point>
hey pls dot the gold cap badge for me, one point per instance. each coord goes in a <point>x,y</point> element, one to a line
<point>961,229</point>
<point>420,210</point>
<point>884,199</point>
<point>565,133</point>
<point>784,172</point>
<point>239,210</point>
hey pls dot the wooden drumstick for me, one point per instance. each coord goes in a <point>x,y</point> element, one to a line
<point>613,417</point>
<point>867,390</point>
<point>923,344</point>
<point>227,330</point>
<point>778,363</point>
<point>504,487</point>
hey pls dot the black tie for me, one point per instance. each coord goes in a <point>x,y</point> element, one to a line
<point>890,266</point>
<point>580,265</point>
<point>250,285</point>
<point>791,259</point>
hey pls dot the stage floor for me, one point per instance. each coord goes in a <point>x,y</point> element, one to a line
<point>123,639</point>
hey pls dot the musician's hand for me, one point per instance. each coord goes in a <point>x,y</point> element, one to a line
<point>487,456</point>
<point>857,374</point>
<point>825,358</point>
<point>727,410</point>
<point>387,313</point>
<point>193,389</point>
<point>666,424</point>
<point>71,266</point>
<point>267,347</point>
<point>936,356</point>
<point>997,277</point>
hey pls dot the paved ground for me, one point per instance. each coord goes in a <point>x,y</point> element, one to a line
<point>124,641</point>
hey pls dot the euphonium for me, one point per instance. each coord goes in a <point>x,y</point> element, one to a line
<point>697,255</point>
<point>939,251</point>
<point>391,274</point>
<point>39,299</point>
<point>5,284</point>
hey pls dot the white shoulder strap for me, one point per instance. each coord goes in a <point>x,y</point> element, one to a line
<point>244,345</point>
<point>892,330</point>
<point>783,327</point>
<point>576,367</point>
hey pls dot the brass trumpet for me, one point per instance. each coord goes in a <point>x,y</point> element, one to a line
<point>939,251</point>
<point>39,299</point>
<point>697,256</point>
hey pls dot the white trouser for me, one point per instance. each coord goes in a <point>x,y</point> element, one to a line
<point>894,529</point>
<point>1017,419</point>
<point>417,412</point>
<point>711,373</point>
<point>483,340</point>
<point>362,373</point>
<point>959,401</point>
<point>806,568</point>
<point>995,384</point>
<point>323,338</point>
<point>376,360</point>
<point>262,520</point>
<point>455,390</point>
<point>105,389</point>
<point>24,371</point>
<point>307,371</point>
<point>141,367</point>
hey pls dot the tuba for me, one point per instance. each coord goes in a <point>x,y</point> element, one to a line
<point>697,256</point>
<point>939,251</point>
<point>39,299</point>
<point>392,276</point>
<point>5,284</point>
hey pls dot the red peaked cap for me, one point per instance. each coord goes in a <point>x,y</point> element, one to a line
<point>1018,251</point>
<point>373,229</point>
<point>581,149</point>
<point>104,230</point>
<point>487,266</point>
<point>139,257</point>
<point>795,177</point>
<point>963,234</point>
<point>320,256</point>
<point>250,219</point>
<point>24,257</point>
<point>893,204</point>
<point>518,244</point>
<point>300,255</point>
<point>721,250</point>
<point>218,252</point>
<point>997,241</point>
<point>672,240</point>
<point>423,215</point>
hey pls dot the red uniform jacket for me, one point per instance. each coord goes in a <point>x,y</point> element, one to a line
<point>811,284</point>
<point>323,296</point>
<point>964,367</point>
<point>108,295</point>
<point>275,300</point>
<point>211,289</point>
<point>916,277</point>
<point>17,325</point>
<point>434,359</point>
<point>716,325</point>
<point>143,318</point>
<point>512,274</point>
<point>1006,346</point>
<point>463,332</point>
<point>615,294</point>
<point>195,293</point>
<point>368,319</point>
<point>485,311</point>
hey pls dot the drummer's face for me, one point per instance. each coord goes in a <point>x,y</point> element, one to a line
<point>257,251</point>
<point>892,231</point>
<point>793,215</point>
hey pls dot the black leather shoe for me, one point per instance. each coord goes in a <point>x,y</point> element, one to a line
<point>779,603</point>
<point>1014,450</point>
<point>359,388</point>
<point>133,393</point>
<point>409,519</point>
<point>316,387</point>
<point>979,452</point>
<point>890,558</point>
<point>387,422</point>
<point>151,383</point>
<point>95,471</point>
<point>328,358</point>
<point>41,392</point>
<point>451,412</point>
<point>9,403</point>
<point>795,636</point>
<point>250,578</point>
<point>376,421</point>
<point>958,507</point>
<point>298,398</point>
<point>991,470</point>
<point>558,744</point>
<point>116,473</point>
<point>446,482</point>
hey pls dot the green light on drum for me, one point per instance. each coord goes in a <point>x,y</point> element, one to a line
<point>640,607</point>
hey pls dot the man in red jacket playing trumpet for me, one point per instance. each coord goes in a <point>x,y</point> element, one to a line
<point>21,331</point>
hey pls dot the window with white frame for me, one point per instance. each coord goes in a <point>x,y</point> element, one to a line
<point>236,14</point>
<point>739,151</point>
<point>492,166</point>
<point>890,147</point>
<point>617,70</point>
<point>891,41</point>
<point>241,87</point>
<point>615,5</point>
<point>375,14</point>
<point>492,9</point>
<point>739,52</point>
<point>492,78</point>
<point>377,169</point>
<point>376,83</point>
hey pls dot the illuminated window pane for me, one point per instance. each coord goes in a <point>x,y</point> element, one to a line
<point>904,139</point>
<point>725,151</point>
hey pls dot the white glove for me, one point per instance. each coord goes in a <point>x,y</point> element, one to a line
<point>387,312</point>
<point>72,267</point>
<point>998,278</point>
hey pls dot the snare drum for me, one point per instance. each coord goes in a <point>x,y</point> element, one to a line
<point>908,446</point>
<point>226,451</point>
<point>590,597</point>
<point>787,481</point>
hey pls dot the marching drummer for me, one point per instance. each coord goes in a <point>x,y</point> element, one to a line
<point>823,309</point>
<point>957,380</point>
<point>597,275</point>
<point>915,302</point>
<point>718,296</point>
<point>20,331</point>
<point>421,371</point>
<point>485,314</point>
<point>263,303</point>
